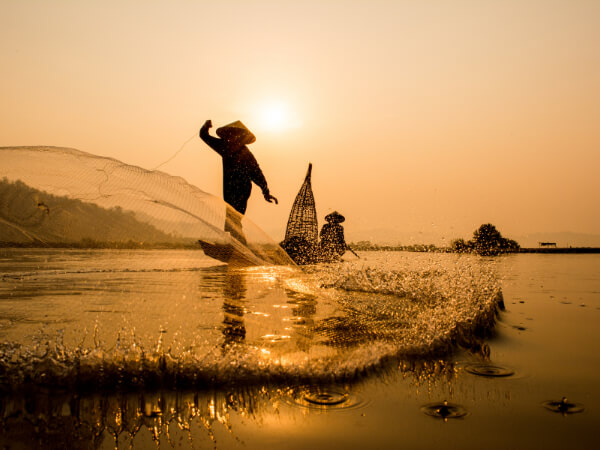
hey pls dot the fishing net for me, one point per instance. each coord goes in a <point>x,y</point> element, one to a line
<point>53,196</point>
<point>303,216</point>
<point>302,234</point>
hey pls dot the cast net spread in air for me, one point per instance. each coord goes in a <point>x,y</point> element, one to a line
<point>53,196</point>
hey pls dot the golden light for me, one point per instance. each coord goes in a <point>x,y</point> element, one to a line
<point>274,116</point>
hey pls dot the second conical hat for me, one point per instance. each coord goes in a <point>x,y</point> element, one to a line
<point>236,129</point>
<point>335,217</point>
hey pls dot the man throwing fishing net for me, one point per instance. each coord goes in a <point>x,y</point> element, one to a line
<point>240,169</point>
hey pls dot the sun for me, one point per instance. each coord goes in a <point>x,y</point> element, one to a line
<point>274,116</point>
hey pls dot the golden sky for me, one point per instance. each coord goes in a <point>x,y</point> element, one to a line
<point>423,119</point>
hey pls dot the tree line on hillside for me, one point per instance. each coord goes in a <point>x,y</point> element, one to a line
<point>30,217</point>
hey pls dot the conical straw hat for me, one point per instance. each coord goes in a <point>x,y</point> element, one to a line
<point>335,217</point>
<point>236,129</point>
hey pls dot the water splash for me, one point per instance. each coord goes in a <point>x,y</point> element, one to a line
<point>563,406</point>
<point>445,410</point>
<point>250,326</point>
<point>325,398</point>
<point>489,370</point>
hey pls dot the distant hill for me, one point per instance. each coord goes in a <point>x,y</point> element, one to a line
<point>29,216</point>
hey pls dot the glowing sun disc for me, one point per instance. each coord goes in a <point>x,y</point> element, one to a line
<point>274,116</point>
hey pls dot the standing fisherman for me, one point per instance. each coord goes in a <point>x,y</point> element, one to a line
<point>240,169</point>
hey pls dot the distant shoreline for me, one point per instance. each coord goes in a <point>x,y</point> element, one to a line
<point>92,245</point>
<point>561,250</point>
<point>433,248</point>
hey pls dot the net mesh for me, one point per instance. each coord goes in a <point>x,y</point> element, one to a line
<point>302,222</point>
<point>64,197</point>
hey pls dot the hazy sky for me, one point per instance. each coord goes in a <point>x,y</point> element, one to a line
<point>421,118</point>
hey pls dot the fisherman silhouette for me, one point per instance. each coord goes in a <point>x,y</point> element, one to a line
<point>240,169</point>
<point>333,244</point>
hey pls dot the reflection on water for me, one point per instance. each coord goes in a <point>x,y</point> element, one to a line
<point>167,417</point>
<point>234,296</point>
<point>125,348</point>
<point>304,309</point>
<point>52,419</point>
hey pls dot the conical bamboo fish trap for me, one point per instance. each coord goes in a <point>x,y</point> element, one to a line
<point>302,222</point>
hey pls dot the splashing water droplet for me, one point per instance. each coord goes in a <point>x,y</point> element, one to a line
<point>444,410</point>
<point>488,370</point>
<point>564,406</point>
<point>325,398</point>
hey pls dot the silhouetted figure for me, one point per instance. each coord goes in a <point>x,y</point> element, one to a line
<point>240,168</point>
<point>333,244</point>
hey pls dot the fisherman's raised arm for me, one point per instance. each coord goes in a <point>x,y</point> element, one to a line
<point>215,143</point>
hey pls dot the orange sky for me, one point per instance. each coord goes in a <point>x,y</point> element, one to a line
<point>423,119</point>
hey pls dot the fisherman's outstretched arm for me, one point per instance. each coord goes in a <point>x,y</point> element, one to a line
<point>215,143</point>
<point>258,177</point>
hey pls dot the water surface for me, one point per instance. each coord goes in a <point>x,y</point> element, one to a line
<point>134,347</point>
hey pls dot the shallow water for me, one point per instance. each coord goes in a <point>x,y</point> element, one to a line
<point>170,318</point>
<point>130,347</point>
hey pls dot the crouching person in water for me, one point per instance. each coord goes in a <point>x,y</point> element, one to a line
<point>240,169</point>
<point>333,244</point>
